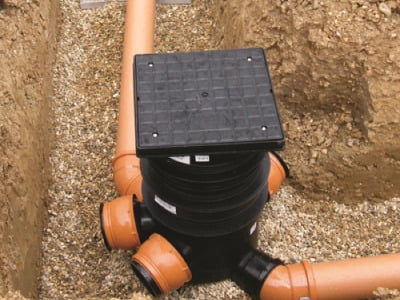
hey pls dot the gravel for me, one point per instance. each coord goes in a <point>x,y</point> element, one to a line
<point>75,263</point>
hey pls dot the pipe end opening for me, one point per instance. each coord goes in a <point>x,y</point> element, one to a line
<point>103,233</point>
<point>146,278</point>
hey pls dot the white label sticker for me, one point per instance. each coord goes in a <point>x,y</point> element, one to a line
<point>202,158</point>
<point>253,228</point>
<point>165,205</point>
<point>181,159</point>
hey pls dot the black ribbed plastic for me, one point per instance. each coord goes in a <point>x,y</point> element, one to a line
<point>252,270</point>
<point>209,199</point>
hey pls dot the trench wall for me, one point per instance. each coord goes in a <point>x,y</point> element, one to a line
<point>336,72</point>
<point>26,53</point>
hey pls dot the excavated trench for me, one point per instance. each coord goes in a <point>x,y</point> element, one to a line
<point>336,72</point>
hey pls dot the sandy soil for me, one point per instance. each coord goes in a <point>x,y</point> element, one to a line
<point>335,68</point>
<point>27,29</point>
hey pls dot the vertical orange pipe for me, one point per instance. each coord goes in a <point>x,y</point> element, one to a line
<point>340,280</point>
<point>138,39</point>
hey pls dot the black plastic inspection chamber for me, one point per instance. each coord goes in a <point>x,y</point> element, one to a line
<point>205,122</point>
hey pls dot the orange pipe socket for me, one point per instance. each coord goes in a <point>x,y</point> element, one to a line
<point>118,224</point>
<point>341,280</point>
<point>277,174</point>
<point>160,266</point>
<point>138,39</point>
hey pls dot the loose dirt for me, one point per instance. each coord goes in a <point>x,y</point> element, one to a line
<point>26,56</point>
<point>335,68</point>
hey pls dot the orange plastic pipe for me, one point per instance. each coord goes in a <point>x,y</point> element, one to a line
<point>277,174</point>
<point>138,39</point>
<point>164,263</point>
<point>118,223</point>
<point>340,280</point>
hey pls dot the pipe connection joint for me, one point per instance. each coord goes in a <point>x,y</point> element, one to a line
<point>252,270</point>
<point>160,266</point>
<point>165,265</point>
<point>127,175</point>
<point>124,223</point>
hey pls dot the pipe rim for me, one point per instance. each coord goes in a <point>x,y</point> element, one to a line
<point>119,223</point>
<point>103,233</point>
<point>145,277</point>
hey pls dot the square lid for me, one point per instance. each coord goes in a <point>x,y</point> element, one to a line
<point>205,102</point>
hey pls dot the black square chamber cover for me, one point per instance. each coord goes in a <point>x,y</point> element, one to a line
<point>208,102</point>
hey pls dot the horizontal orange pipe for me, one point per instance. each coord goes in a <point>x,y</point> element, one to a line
<point>118,223</point>
<point>277,174</point>
<point>138,39</point>
<point>164,263</point>
<point>340,280</point>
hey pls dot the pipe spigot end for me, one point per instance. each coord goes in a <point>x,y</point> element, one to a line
<point>160,266</point>
<point>118,224</point>
<point>145,277</point>
<point>103,234</point>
